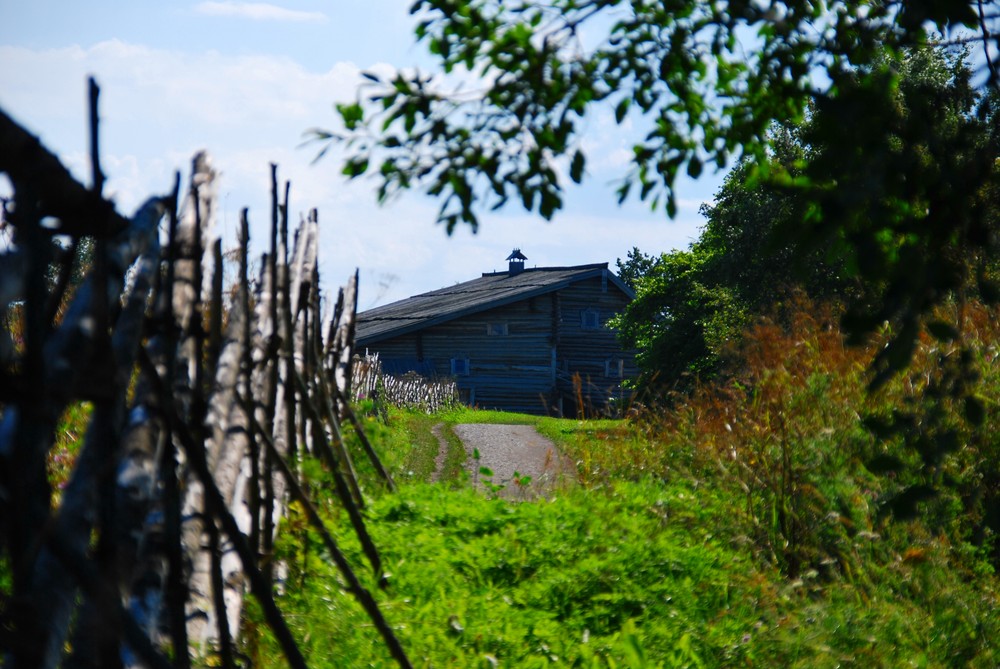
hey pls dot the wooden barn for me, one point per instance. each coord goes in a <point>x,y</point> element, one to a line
<point>513,340</point>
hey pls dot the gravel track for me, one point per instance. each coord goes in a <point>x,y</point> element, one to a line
<point>442,455</point>
<point>506,449</point>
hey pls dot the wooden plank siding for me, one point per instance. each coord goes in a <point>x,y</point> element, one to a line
<point>511,371</point>
<point>591,351</point>
<point>522,354</point>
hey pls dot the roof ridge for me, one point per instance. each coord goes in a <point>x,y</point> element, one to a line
<point>472,296</point>
<point>599,265</point>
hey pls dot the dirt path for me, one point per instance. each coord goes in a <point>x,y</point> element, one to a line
<point>507,449</point>
<point>442,455</point>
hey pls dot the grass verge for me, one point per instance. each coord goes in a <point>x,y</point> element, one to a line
<point>634,574</point>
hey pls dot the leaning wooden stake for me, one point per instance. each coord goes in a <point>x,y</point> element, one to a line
<point>216,506</point>
<point>243,296</point>
<point>173,590</point>
<point>340,484</point>
<point>270,285</point>
<point>353,583</point>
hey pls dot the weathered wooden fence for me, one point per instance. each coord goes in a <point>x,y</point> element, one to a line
<point>202,406</point>
<point>411,391</point>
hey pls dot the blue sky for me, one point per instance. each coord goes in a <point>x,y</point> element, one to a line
<point>245,81</point>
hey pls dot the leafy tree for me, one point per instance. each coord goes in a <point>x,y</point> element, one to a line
<point>692,305</point>
<point>897,176</point>
<point>635,266</point>
<point>664,322</point>
<point>810,219</point>
<point>708,79</point>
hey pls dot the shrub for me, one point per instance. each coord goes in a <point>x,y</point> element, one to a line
<point>816,457</point>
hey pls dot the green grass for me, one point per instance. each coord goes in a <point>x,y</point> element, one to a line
<point>583,579</point>
<point>454,469</point>
<point>464,414</point>
<point>635,574</point>
<point>66,447</point>
<point>409,447</point>
<point>746,526</point>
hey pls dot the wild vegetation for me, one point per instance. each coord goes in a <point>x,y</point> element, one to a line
<point>808,499</point>
<point>846,494</point>
<point>759,523</point>
<point>767,234</point>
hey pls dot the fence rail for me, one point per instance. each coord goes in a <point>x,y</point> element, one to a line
<point>410,391</point>
<point>202,402</point>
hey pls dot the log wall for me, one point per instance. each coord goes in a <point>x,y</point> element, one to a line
<point>523,356</point>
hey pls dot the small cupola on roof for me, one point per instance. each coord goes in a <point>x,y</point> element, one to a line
<point>516,260</point>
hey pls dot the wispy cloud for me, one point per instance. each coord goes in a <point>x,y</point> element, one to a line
<point>257,11</point>
<point>160,105</point>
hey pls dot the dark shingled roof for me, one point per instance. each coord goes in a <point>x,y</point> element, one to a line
<point>487,292</point>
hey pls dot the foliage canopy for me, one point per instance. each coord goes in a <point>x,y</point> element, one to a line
<point>907,209</point>
<point>708,78</point>
<point>893,171</point>
<point>692,304</point>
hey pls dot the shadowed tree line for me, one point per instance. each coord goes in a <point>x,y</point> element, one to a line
<point>766,237</point>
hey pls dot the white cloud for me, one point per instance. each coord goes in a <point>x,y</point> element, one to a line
<point>172,96</point>
<point>257,11</point>
<point>159,106</point>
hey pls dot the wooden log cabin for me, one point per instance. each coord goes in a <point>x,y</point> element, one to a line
<point>513,340</point>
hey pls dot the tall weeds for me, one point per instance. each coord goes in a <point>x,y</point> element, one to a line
<point>783,433</point>
<point>821,462</point>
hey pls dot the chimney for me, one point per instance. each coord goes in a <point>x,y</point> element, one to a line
<point>516,260</point>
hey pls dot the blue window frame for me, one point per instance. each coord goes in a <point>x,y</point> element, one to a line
<point>460,366</point>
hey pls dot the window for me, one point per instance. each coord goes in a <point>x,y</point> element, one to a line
<point>614,368</point>
<point>590,319</point>
<point>460,366</point>
<point>496,329</point>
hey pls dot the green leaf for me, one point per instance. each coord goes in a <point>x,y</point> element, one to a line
<point>694,167</point>
<point>485,471</point>
<point>671,206</point>
<point>623,191</point>
<point>351,114</point>
<point>355,167</point>
<point>622,109</point>
<point>944,332</point>
<point>528,197</point>
<point>576,167</point>
<point>975,410</point>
